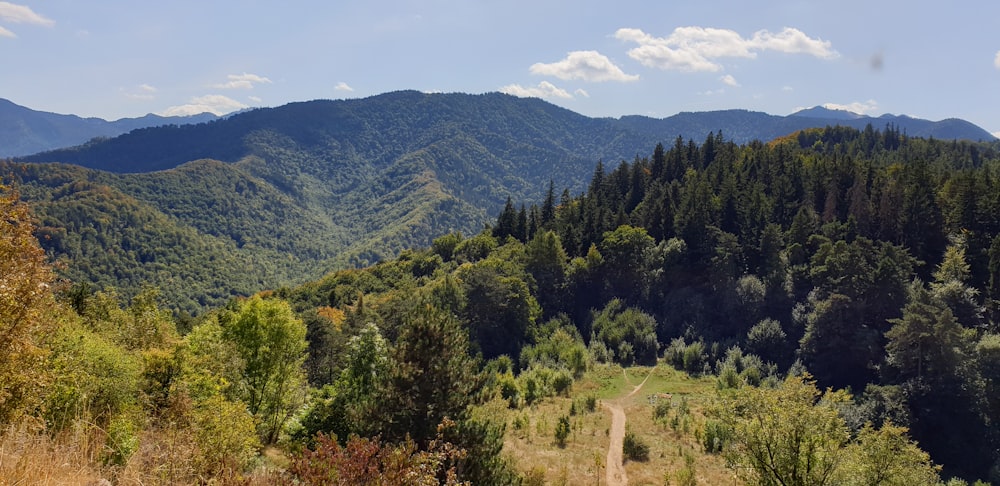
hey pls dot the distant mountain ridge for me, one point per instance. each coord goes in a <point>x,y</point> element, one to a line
<point>947,129</point>
<point>24,131</point>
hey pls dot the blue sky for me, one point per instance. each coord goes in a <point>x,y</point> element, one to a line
<point>113,59</point>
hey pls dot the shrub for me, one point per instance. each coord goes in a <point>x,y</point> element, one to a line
<point>562,431</point>
<point>686,475</point>
<point>590,404</point>
<point>562,382</point>
<point>122,440</point>
<point>535,477</point>
<point>694,357</point>
<point>661,410</point>
<point>634,449</point>
<point>674,353</point>
<point>717,435</point>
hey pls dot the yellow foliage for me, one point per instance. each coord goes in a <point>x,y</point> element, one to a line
<point>24,295</point>
<point>334,315</point>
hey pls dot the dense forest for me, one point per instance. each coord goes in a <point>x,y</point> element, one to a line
<point>841,285</point>
<point>281,196</point>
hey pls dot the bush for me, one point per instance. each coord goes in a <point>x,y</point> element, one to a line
<point>694,357</point>
<point>662,410</point>
<point>561,383</point>
<point>534,477</point>
<point>716,436</point>
<point>122,440</point>
<point>562,431</point>
<point>634,449</point>
<point>590,404</point>
<point>674,353</point>
<point>686,476</point>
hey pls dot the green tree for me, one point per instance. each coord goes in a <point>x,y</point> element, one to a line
<point>546,261</point>
<point>562,431</point>
<point>350,404</point>
<point>628,332</point>
<point>270,342</point>
<point>927,343</point>
<point>887,457</point>
<point>791,436</point>
<point>837,346</point>
<point>431,377</point>
<point>627,252</point>
<point>499,308</point>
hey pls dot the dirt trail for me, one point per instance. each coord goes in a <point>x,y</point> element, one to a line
<point>615,466</point>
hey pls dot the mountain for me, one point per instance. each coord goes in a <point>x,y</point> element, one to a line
<point>280,196</point>
<point>828,113</point>
<point>947,129</point>
<point>25,131</point>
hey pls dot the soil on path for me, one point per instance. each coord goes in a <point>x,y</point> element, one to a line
<point>615,465</point>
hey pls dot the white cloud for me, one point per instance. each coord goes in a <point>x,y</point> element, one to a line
<point>143,92</point>
<point>787,88</point>
<point>692,49</point>
<point>255,99</point>
<point>586,65</point>
<point>20,14</point>
<point>342,86</point>
<point>996,134</point>
<point>217,104</point>
<point>6,33</point>
<point>729,80</point>
<point>581,92</point>
<point>859,107</point>
<point>544,89</point>
<point>242,81</point>
<point>996,60</point>
<point>793,41</point>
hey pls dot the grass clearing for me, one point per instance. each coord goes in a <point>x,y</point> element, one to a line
<point>673,439</point>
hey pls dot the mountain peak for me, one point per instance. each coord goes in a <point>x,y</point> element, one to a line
<point>828,113</point>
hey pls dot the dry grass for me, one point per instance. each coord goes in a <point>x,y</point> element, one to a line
<point>28,457</point>
<point>74,457</point>
<point>530,435</point>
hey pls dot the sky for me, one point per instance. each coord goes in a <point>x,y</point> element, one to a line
<point>113,58</point>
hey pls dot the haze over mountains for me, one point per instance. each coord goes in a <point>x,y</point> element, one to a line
<point>280,196</point>
<point>24,131</point>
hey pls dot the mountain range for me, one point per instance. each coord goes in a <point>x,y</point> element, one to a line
<point>24,131</point>
<point>279,196</point>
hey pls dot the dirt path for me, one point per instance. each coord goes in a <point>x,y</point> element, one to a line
<point>615,466</point>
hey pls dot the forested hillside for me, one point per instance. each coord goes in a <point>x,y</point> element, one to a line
<point>285,195</point>
<point>869,258</point>
<point>863,261</point>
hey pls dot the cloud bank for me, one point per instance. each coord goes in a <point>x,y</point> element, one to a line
<point>693,49</point>
<point>584,65</point>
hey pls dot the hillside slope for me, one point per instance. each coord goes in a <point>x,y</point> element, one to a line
<point>309,187</point>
